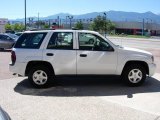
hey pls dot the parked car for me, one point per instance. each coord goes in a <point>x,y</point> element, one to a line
<point>4,115</point>
<point>86,38</point>
<point>7,41</point>
<point>42,55</point>
<point>18,34</point>
<point>10,31</point>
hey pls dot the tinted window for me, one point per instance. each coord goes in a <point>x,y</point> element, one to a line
<point>93,42</point>
<point>30,40</point>
<point>5,38</point>
<point>61,40</point>
<point>0,36</point>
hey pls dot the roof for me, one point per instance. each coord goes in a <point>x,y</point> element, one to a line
<point>60,30</point>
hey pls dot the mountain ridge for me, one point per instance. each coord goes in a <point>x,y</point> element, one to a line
<point>112,15</point>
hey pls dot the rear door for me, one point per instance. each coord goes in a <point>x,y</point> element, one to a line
<point>61,54</point>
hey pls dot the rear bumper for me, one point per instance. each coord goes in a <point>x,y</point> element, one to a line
<point>18,68</point>
<point>152,69</point>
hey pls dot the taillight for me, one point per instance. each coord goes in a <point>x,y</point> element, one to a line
<point>13,57</point>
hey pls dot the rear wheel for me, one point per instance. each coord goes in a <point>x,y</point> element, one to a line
<point>40,76</point>
<point>134,75</point>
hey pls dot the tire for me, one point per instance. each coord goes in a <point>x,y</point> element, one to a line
<point>40,76</point>
<point>134,75</point>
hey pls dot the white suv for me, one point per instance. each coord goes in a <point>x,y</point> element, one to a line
<point>41,55</point>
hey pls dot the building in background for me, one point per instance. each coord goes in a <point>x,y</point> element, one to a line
<point>137,28</point>
<point>3,21</point>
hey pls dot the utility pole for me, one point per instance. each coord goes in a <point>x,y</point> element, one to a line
<point>70,18</point>
<point>58,21</point>
<point>105,23</point>
<point>38,20</point>
<point>49,23</point>
<point>25,14</point>
<point>66,21</point>
<point>143,27</point>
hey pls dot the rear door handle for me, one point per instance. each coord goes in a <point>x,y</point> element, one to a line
<point>83,55</point>
<point>49,54</point>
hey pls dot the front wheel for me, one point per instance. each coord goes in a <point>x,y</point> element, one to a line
<point>134,75</point>
<point>40,76</point>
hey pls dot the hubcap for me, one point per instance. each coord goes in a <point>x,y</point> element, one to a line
<point>40,77</point>
<point>135,76</point>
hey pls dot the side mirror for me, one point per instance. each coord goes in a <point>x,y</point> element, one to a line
<point>106,47</point>
<point>110,49</point>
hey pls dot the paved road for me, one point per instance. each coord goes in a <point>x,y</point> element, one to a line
<point>89,99</point>
<point>137,42</point>
<point>81,99</point>
<point>4,65</point>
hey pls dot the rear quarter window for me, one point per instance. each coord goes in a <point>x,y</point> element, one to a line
<point>30,40</point>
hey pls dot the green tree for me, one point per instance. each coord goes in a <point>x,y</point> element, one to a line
<point>110,26</point>
<point>79,25</point>
<point>18,27</point>
<point>8,27</point>
<point>100,24</point>
<point>46,26</point>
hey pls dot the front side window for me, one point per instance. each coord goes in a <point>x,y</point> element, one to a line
<point>61,40</point>
<point>88,41</point>
<point>30,40</point>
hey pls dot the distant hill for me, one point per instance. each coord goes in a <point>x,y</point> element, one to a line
<point>112,15</point>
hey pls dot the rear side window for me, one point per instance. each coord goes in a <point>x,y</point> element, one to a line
<point>30,40</point>
<point>61,41</point>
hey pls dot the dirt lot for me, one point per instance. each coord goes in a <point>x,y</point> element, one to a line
<point>5,59</point>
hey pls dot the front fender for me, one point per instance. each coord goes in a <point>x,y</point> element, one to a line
<point>123,60</point>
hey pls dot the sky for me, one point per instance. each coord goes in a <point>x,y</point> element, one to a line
<point>13,9</point>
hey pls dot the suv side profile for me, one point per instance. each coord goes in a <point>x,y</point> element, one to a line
<point>42,55</point>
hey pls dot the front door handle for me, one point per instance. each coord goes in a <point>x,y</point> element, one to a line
<point>83,55</point>
<point>49,54</point>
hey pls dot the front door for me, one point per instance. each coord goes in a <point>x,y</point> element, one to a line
<point>95,56</point>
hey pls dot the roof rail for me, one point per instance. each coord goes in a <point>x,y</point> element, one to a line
<point>41,29</point>
<point>73,28</point>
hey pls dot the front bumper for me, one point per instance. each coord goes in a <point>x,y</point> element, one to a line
<point>152,69</point>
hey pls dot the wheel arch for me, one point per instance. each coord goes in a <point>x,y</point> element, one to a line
<point>142,63</point>
<point>32,64</point>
